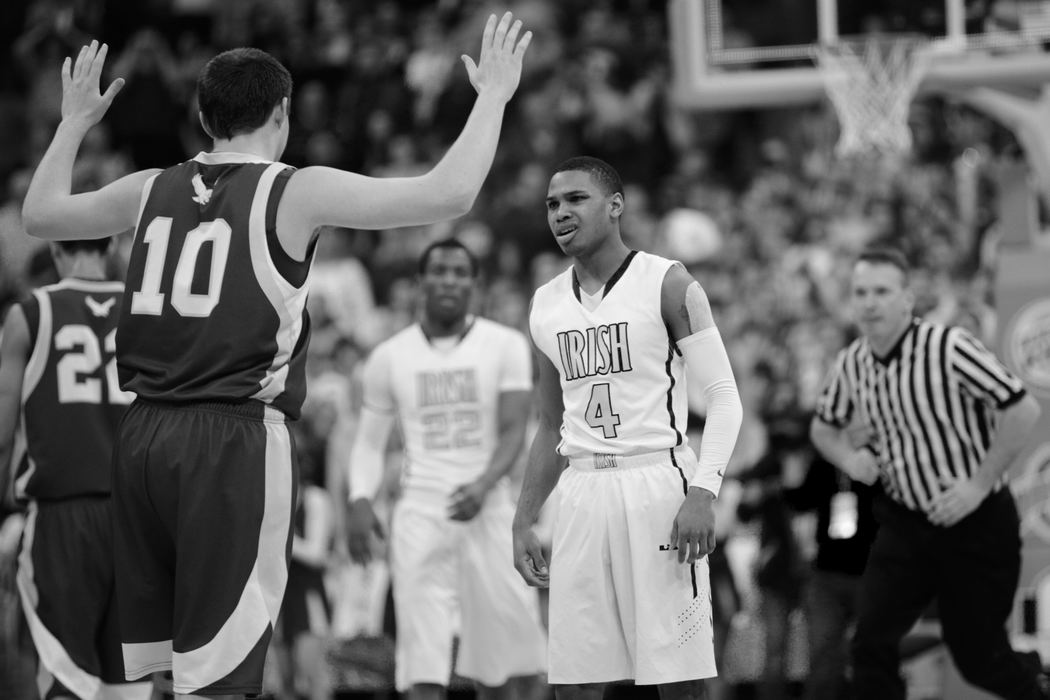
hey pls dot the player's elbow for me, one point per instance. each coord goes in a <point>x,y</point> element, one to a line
<point>460,200</point>
<point>450,196</point>
<point>34,220</point>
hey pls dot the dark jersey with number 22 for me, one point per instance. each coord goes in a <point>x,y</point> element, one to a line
<point>71,403</point>
<point>215,309</point>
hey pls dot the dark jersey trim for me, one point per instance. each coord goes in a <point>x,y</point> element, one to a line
<point>610,282</point>
<point>293,271</point>
<point>685,490</point>
<point>31,310</point>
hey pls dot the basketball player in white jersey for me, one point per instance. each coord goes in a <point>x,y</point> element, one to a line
<point>618,336</point>
<point>460,387</point>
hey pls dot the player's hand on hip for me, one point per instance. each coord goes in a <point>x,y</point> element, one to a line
<point>82,103</point>
<point>362,526</point>
<point>498,70</point>
<point>862,466</point>
<point>960,498</point>
<point>466,501</point>
<point>693,531</point>
<point>529,559</point>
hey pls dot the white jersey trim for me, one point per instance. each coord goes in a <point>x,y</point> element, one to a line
<point>227,157</point>
<point>261,597</point>
<point>146,189</point>
<point>53,656</point>
<point>287,300</point>
<point>34,371</point>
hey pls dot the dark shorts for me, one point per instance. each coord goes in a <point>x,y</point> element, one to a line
<point>65,582</point>
<point>203,498</point>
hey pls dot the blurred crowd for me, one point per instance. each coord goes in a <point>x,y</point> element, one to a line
<point>755,203</point>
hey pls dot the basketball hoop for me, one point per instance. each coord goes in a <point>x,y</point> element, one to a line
<point>871,82</point>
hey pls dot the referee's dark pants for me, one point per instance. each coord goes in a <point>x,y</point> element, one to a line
<point>971,569</point>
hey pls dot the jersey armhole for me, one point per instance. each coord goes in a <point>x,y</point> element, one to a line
<point>31,311</point>
<point>293,271</point>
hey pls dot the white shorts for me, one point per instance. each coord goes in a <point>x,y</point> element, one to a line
<point>444,571</point>
<point>620,606</point>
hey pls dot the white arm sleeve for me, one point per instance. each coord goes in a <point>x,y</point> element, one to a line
<point>378,414</point>
<point>367,457</point>
<point>707,364</point>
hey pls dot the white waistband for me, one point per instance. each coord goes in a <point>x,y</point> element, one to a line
<point>601,461</point>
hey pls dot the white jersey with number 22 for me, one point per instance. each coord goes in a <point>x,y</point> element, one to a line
<point>445,394</point>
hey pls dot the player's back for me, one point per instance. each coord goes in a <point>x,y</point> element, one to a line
<point>71,402</point>
<point>216,309</point>
<point>622,376</point>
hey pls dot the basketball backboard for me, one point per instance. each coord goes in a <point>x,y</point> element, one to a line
<point>760,53</point>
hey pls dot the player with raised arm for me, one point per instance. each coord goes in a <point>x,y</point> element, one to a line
<point>460,388</point>
<point>213,340</point>
<point>618,335</point>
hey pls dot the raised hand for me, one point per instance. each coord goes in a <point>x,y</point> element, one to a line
<point>82,102</point>
<point>498,70</point>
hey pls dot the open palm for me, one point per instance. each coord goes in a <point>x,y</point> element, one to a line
<point>82,101</point>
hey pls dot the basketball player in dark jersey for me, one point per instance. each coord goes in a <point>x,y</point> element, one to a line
<point>213,340</point>
<point>59,408</point>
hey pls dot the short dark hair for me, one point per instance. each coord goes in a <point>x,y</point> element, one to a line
<point>96,245</point>
<point>447,244</point>
<point>238,90</point>
<point>603,173</point>
<point>885,255</point>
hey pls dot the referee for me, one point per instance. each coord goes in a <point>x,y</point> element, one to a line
<point>945,418</point>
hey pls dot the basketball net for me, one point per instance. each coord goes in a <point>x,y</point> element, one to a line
<point>871,82</point>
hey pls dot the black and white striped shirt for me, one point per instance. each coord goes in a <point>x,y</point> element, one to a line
<point>931,403</point>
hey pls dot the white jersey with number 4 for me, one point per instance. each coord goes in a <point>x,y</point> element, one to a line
<point>445,393</point>
<point>621,374</point>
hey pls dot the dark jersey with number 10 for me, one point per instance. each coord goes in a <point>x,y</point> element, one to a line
<point>71,403</point>
<point>216,310</point>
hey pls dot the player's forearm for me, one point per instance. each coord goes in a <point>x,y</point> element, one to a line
<point>368,455</point>
<point>365,471</point>
<point>1015,425</point>
<point>831,442</point>
<point>541,476</point>
<point>463,169</point>
<point>52,182</point>
<point>707,366</point>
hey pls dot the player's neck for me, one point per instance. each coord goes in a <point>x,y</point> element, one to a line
<point>593,269</point>
<point>437,328</point>
<point>87,270</point>
<point>255,143</point>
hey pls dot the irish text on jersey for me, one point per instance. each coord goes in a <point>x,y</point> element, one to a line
<point>596,350</point>
<point>447,387</point>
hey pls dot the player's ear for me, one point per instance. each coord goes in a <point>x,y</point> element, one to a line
<point>204,124</point>
<point>281,112</point>
<point>616,205</point>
